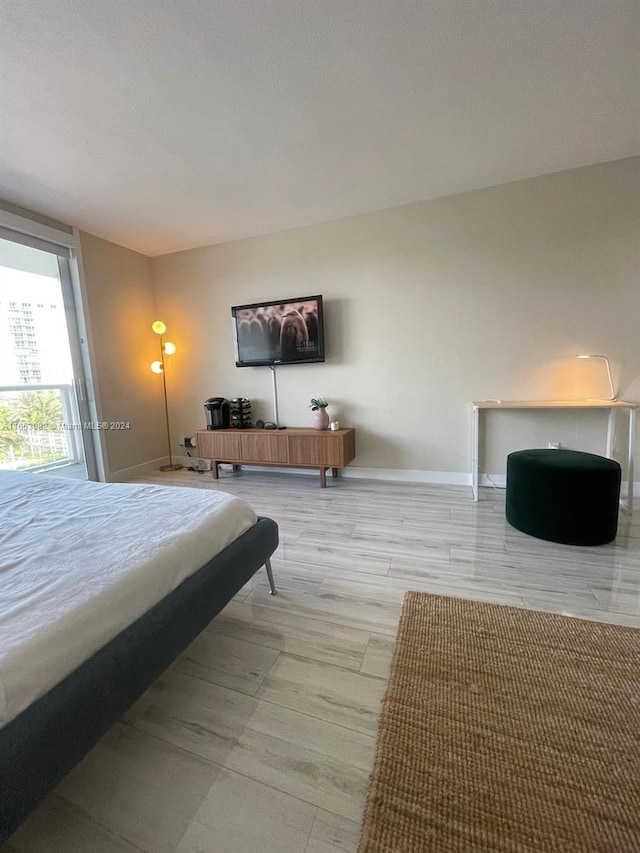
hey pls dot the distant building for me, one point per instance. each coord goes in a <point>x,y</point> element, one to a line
<point>34,346</point>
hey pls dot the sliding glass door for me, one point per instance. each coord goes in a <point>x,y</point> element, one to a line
<point>44,417</point>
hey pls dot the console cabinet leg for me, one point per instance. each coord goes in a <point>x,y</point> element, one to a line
<point>214,469</point>
<point>323,478</point>
<point>334,471</point>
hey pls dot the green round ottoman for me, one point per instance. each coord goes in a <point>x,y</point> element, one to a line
<point>563,495</point>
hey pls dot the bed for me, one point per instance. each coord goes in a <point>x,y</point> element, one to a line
<point>102,586</point>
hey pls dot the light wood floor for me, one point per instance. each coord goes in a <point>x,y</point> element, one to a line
<point>261,736</point>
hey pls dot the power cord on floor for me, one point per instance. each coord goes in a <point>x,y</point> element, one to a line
<point>191,467</point>
<point>492,483</point>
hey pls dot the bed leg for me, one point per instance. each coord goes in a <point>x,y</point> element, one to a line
<point>272,588</point>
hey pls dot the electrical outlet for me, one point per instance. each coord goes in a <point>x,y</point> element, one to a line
<point>554,445</point>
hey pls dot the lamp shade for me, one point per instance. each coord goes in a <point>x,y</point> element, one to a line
<point>169,348</point>
<point>159,327</point>
<point>607,365</point>
<point>156,366</point>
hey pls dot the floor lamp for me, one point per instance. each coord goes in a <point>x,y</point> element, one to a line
<point>166,348</point>
<point>606,361</point>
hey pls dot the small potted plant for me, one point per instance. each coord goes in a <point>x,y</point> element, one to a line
<point>318,406</point>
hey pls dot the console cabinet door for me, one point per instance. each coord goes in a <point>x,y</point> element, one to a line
<point>317,450</point>
<point>264,446</point>
<point>218,445</point>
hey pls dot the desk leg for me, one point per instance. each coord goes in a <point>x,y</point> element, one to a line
<point>632,432</point>
<point>610,431</point>
<point>475,443</point>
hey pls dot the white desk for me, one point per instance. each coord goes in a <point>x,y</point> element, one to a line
<point>611,406</point>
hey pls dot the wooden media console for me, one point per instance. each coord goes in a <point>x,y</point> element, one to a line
<point>286,448</point>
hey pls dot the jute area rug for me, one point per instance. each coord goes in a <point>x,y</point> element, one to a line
<point>506,730</point>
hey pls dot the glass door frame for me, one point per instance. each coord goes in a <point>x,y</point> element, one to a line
<point>78,363</point>
<point>64,245</point>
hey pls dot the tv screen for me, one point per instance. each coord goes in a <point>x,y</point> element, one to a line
<point>285,331</point>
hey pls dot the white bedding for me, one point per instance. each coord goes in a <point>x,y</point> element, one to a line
<point>80,561</point>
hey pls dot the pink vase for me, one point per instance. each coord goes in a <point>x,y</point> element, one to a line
<point>320,419</point>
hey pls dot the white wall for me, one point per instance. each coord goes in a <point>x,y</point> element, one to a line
<point>486,294</point>
<point>120,309</point>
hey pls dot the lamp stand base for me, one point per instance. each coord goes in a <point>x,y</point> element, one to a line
<point>170,467</point>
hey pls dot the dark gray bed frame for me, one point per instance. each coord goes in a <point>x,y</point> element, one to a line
<point>41,745</point>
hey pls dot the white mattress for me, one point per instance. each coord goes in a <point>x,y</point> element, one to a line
<point>80,561</point>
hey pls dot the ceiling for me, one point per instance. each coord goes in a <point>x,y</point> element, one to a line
<point>168,124</point>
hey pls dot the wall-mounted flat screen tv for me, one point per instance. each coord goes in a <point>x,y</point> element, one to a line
<point>285,331</point>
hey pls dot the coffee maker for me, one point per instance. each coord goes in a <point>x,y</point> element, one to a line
<point>217,409</point>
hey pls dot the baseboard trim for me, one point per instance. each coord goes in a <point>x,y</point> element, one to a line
<point>407,475</point>
<point>353,472</point>
<point>126,474</point>
<point>400,475</point>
